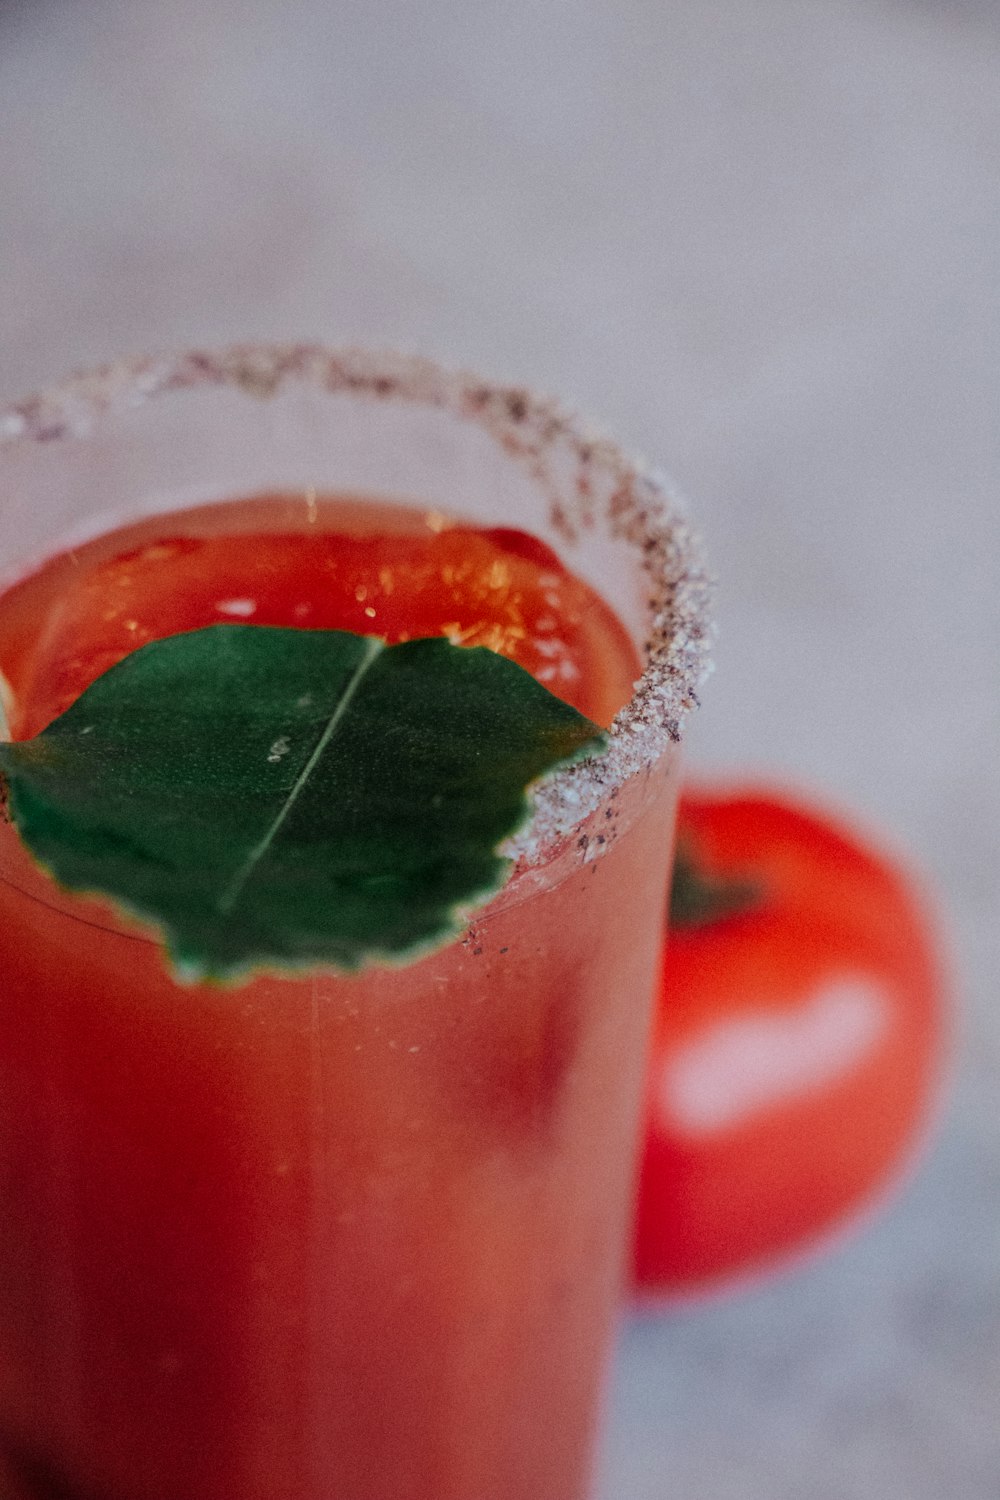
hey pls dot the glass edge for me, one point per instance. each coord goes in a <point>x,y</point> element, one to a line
<point>641,509</point>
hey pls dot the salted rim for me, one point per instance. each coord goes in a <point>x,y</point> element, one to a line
<point>574,466</point>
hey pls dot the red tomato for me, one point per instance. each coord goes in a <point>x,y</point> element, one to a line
<point>799,1041</point>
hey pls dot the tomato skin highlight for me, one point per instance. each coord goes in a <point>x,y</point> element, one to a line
<point>798,1047</point>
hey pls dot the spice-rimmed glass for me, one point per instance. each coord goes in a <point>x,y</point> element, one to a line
<point>334,1236</point>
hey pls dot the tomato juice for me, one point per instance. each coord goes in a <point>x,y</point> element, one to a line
<point>321,1237</point>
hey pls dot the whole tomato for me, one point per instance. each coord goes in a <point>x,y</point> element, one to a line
<point>799,1040</point>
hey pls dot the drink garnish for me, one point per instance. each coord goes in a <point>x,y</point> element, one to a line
<point>278,798</point>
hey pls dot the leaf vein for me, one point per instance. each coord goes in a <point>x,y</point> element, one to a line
<point>228,898</point>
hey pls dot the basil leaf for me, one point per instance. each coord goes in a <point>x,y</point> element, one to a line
<point>276,798</point>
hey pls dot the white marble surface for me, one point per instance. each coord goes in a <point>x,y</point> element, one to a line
<point>762,242</point>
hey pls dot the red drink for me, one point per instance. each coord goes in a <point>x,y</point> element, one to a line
<point>326,1237</point>
<point>358,565</point>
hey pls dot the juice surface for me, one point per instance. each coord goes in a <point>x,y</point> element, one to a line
<point>324,1238</point>
<point>374,569</point>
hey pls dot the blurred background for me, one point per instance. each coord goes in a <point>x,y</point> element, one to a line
<point>761,243</point>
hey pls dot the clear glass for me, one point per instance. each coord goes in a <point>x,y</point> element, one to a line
<point>336,1238</point>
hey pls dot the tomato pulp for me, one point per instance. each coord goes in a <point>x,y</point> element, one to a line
<point>323,1238</point>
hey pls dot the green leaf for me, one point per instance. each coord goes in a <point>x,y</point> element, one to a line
<point>285,798</point>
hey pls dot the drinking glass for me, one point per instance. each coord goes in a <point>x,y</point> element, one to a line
<point>335,1237</point>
